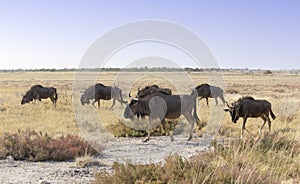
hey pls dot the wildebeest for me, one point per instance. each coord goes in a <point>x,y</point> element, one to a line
<point>160,106</point>
<point>208,91</point>
<point>248,107</point>
<point>100,91</point>
<point>38,92</point>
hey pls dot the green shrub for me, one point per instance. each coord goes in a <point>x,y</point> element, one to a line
<point>34,146</point>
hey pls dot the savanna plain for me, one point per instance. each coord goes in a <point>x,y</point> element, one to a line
<point>266,157</point>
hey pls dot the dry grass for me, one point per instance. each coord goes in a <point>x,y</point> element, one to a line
<point>281,89</point>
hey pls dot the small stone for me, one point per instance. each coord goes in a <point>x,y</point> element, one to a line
<point>44,182</point>
<point>10,159</point>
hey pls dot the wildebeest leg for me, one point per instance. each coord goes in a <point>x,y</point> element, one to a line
<point>53,100</point>
<point>207,101</point>
<point>164,123</point>
<point>199,100</point>
<point>114,102</point>
<point>121,101</point>
<point>192,122</point>
<point>216,99</point>
<point>148,130</point>
<point>269,123</point>
<point>264,118</point>
<point>95,102</point>
<point>222,98</point>
<point>243,126</point>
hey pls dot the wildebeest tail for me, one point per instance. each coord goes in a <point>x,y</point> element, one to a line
<point>272,114</point>
<point>121,97</point>
<point>55,95</point>
<point>195,113</point>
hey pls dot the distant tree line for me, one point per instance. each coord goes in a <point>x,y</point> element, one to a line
<point>142,69</point>
<point>133,69</point>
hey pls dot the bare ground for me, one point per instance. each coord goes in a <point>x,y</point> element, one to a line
<point>120,150</point>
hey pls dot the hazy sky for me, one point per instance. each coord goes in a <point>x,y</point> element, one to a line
<point>241,34</point>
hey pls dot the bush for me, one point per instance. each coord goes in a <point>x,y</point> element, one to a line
<point>267,72</point>
<point>33,146</point>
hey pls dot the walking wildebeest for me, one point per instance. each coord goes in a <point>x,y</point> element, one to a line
<point>248,107</point>
<point>100,91</point>
<point>38,92</point>
<point>208,91</point>
<point>160,105</point>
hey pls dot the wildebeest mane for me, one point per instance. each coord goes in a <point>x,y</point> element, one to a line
<point>148,90</point>
<point>201,85</point>
<point>35,86</point>
<point>246,98</point>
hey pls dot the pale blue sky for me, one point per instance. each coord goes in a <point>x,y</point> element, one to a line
<point>241,34</point>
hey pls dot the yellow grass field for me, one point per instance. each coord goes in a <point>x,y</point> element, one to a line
<point>282,89</point>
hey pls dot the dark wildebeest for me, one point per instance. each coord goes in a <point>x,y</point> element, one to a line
<point>160,106</point>
<point>38,92</point>
<point>208,91</point>
<point>248,107</point>
<point>148,90</point>
<point>100,91</point>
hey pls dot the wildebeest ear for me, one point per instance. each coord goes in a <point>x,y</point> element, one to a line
<point>226,110</point>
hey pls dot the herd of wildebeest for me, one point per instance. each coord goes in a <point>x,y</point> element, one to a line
<point>159,103</point>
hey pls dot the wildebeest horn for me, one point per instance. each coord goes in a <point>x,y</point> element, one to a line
<point>82,91</point>
<point>227,104</point>
<point>129,94</point>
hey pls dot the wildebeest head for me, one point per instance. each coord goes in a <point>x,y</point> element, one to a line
<point>84,99</point>
<point>234,111</point>
<point>135,108</point>
<point>194,93</point>
<point>131,109</point>
<point>27,98</point>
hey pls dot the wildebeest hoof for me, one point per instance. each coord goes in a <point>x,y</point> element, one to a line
<point>146,139</point>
